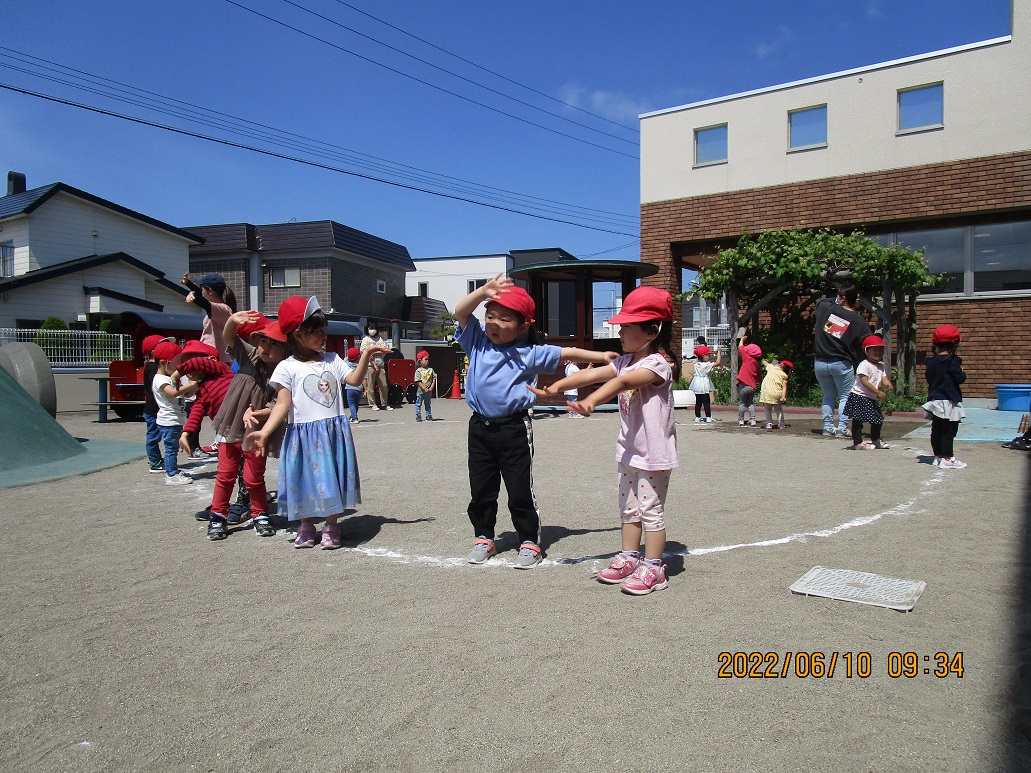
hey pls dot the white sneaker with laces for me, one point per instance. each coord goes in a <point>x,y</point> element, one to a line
<point>390,407</point>
<point>952,464</point>
<point>374,407</point>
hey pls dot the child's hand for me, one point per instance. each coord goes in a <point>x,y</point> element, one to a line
<point>260,440</point>
<point>609,357</point>
<point>882,395</point>
<point>584,407</point>
<point>373,350</point>
<point>497,285</point>
<point>541,392</point>
<point>184,444</point>
<point>249,419</point>
<point>243,317</point>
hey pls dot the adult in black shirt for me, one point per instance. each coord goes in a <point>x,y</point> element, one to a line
<point>838,345</point>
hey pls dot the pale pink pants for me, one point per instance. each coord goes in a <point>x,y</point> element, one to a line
<point>642,496</point>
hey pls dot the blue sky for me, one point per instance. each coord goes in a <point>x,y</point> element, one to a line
<point>613,59</point>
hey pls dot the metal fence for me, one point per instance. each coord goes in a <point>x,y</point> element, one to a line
<point>73,348</point>
<point>715,337</point>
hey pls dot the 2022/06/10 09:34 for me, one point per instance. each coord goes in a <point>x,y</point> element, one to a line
<point>825,665</point>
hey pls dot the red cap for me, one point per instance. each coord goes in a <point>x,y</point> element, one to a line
<point>702,350</point>
<point>872,341</point>
<point>294,310</point>
<point>946,334</point>
<point>423,353</point>
<point>147,347</point>
<point>517,299</point>
<point>167,350</point>
<point>354,353</point>
<point>787,364</point>
<point>753,350</point>
<point>247,328</point>
<point>273,331</point>
<point>194,348</point>
<point>645,304</point>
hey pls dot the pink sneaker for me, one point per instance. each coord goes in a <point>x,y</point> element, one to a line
<point>330,536</point>
<point>645,579</point>
<point>305,535</point>
<point>622,566</point>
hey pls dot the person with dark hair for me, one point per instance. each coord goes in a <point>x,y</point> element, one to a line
<point>218,303</point>
<point>838,348</point>
<point>503,361</point>
<point>944,406</point>
<point>646,449</point>
<point>377,373</point>
<point>318,469</point>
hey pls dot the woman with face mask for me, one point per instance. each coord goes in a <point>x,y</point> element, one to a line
<point>377,373</point>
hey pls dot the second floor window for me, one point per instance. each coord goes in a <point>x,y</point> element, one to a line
<point>922,108</point>
<point>710,145</point>
<point>807,128</point>
<point>7,259</point>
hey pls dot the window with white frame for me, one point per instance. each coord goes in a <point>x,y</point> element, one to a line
<point>921,108</point>
<point>284,277</point>
<point>807,128</point>
<point>381,286</point>
<point>475,284</point>
<point>710,145</point>
<point>994,257</point>
<point>7,258</point>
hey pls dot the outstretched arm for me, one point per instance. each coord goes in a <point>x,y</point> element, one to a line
<point>279,412</point>
<point>357,376</point>
<point>572,354</point>
<point>635,379</point>
<point>577,380</point>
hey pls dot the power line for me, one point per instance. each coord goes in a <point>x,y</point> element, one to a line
<point>454,74</point>
<point>132,95</point>
<point>272,154</point>
<point>427,83</point>
<point>487,70</point>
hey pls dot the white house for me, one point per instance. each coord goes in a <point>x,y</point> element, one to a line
<point>449,279</point>
<point>73,255</point>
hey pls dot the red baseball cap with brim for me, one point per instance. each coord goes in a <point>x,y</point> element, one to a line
<point>294,310</point>
<point>421,354</point>
<point>273,331</point>
<point>192,349</point>
<point>517,299</point>
<point>872,341</point>
<point>787,364</point>
<point>700,351</point>
<point>148,344</point>
<point>167,350</point>
<point>248,328</point>
<point>946,334</point>
<point>354,353</point>
<point>645,304</point>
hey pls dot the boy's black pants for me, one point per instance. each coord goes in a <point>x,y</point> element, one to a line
<point>502,448</point>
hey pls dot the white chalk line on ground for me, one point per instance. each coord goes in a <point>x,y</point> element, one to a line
<point>904,508</point>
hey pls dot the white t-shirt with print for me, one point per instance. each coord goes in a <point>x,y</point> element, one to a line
<point>170,412</point>
<point>316,387</point>
<point>874,371</point>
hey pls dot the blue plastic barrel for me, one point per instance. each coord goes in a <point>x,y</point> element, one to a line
<point>1014,397</point>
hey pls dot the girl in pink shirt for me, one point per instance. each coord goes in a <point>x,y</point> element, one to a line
<point>747,381</point>
<point>646,450</point>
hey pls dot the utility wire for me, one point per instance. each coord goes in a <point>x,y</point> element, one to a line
<point>305,144</point>
<point>487,70</point>
<point>456,75</point>
<point>427,83</point>
<point>306,162</point>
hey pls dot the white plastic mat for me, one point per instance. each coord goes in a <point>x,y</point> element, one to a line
<point>860,587</point>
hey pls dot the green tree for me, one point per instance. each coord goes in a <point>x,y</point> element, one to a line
<point>785,272</point>
<point>52,343</point>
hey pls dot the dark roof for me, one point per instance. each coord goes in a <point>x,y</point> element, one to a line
<point>27,202</point>
<point>225,238</point>
<point>300,236</point>
<point>81,264</point>
<point>419,309</point>
<point>601,270</point>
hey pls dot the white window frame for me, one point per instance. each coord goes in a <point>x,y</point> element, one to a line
<point>7,258</point>
<point>726,150</point>
<point>475,284</point>
<point>813,145</point>
<point>899,131</point>
<point>288,274</point>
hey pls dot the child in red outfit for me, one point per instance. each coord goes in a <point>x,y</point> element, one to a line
<point>747,380</point>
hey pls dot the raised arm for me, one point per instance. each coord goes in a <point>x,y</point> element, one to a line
<point>357,376</point>
<point>464,308</point>
<point>234,321</point>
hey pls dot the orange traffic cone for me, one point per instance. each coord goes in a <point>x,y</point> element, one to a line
<point>456,388</point>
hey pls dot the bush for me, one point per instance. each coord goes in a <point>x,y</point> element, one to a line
<point>52,344</point>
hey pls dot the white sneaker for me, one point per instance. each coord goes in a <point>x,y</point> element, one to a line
<point>390,407</point>
<point>697,420</point>
<point>937,461</point>
<point>374,407</point>
<point>182,479</point>
<point>952,464</point>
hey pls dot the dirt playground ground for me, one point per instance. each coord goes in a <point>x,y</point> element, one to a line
<point>128,641</point>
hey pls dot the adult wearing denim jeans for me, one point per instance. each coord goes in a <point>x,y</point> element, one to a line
<point>838,344</point>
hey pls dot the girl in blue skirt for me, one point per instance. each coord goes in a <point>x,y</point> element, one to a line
<point>318,471</point>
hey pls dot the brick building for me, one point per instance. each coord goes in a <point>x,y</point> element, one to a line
<point>931,151</point>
